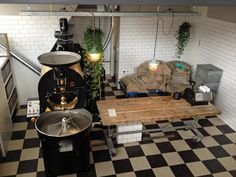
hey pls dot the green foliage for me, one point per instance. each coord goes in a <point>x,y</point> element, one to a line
<point>183,37</point>
<point>93,37</point>
<point>93,78</point>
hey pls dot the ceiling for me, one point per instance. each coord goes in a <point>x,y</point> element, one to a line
<point>128,2</point>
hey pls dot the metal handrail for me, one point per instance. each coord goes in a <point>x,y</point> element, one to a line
<point>23,60</point>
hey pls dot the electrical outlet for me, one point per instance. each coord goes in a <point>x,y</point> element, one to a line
<point>125,71</point>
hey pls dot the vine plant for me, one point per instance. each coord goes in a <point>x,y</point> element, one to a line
<point>93,37</point>
<point>183,37</point>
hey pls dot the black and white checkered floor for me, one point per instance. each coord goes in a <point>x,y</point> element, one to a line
<point>167,156</point>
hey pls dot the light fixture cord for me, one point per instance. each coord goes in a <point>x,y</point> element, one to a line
<point>93,26</point>
<point>94,30</point>
<point>154,54</point>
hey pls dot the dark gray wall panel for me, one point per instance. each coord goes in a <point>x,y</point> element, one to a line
<point>223,13</point>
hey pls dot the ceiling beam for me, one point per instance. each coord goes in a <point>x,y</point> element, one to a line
<point>107,14</point>
<point>128,2</point>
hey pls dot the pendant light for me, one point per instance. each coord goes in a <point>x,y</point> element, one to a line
<point>153,63</point>
<point>93,55</point>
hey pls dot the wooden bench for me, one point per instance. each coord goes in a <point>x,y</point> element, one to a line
<point>150,109</point>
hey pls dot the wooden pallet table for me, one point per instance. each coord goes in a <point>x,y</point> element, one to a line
<point>150,109</point>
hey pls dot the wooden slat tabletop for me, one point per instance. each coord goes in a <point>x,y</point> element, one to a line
<point>148,109</point>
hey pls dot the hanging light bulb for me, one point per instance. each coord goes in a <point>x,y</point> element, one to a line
<point>153,64</point>
<point>94,55</point>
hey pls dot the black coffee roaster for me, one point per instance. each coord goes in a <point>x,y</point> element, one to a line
<point>64,42</point>
<point>62,84</point>
<point>63,125</point>
<point>65,141</point>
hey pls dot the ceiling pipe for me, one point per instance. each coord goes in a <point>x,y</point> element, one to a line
<point>128,2</point>
<point>109,34</point>
<point>105,14</point>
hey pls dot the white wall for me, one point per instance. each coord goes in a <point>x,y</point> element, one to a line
<point>197,29</point>
<point>137,36</point>
<point>212,42</point>
<point>215,43</point>
<point>31,36</point>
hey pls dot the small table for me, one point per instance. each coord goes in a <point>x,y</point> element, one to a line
<point>149,109</point>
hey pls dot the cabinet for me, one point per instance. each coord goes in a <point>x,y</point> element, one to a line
<point>8,96</point>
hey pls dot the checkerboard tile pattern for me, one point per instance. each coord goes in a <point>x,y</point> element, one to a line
<point>164,154</point>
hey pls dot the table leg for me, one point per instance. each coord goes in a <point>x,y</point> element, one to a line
<point>193,125</point>
<point>108,136</point>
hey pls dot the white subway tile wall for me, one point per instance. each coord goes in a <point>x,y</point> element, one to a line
<point>137,38</point>
<point>34,35</point>
<point>217,46</point>
<point>30,35</point>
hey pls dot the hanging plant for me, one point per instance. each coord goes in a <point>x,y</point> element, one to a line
<point>183,37</point>
<point>93,39</point>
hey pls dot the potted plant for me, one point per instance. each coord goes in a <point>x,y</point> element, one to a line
<point>92,43</point>
<point>183,37</point>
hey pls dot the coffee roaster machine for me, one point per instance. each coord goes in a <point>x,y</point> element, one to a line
<point>64,124</point>
<point>61,86</point>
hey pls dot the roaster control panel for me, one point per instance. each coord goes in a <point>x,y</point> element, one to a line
<point>33,107</point>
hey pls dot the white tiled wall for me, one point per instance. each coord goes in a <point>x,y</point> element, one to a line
<point>212,41</point>
<point>217,46</point>
<point>31,36</point>
<point>137,38</point>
